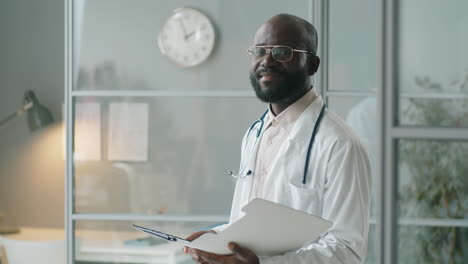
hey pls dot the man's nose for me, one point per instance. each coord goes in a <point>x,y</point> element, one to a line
<point>268,60</point>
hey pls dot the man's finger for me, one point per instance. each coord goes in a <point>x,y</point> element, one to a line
<point>236,249</point>
<point>212,258</point>
<point>198,234</point>
<point>195,256</point>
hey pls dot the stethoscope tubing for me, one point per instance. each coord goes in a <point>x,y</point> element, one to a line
<point>261,121</point>
<point>311,143</point>
<point>241,173</point>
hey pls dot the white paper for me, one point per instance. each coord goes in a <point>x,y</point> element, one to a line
<point>128,132</point>
<point>267,229</point>
<point>87,134</point>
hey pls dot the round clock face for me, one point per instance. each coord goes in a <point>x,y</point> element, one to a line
<point>187,38</point>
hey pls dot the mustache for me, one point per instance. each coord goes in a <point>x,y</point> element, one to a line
<point>273,70</point>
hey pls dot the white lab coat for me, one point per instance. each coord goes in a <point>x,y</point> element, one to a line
<point>338,188</point>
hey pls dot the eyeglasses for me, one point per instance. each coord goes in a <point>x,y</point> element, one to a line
<point>279,53</point>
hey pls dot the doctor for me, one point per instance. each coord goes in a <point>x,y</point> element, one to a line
<point>299,153</point>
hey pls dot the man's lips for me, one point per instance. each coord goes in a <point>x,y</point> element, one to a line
<point>268,75</point>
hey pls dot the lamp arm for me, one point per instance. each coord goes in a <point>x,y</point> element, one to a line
<point>19,112</point>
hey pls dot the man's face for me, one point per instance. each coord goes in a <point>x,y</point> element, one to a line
<point>279,82</point>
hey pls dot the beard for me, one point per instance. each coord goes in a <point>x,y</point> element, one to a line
<point>290,88</point>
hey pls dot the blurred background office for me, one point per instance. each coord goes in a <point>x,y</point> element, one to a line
<point>144,133</point>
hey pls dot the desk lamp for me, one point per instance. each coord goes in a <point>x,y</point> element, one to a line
<point>38,116</point>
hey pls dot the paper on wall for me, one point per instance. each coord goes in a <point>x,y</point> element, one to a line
<point>128,132</point>
<point>87,133</point>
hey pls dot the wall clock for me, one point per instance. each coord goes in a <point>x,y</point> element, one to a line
<point>187,37</point>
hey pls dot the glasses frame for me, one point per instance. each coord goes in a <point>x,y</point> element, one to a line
<point>269,50</point>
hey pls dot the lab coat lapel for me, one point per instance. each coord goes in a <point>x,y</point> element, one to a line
<point>302,130</point>
<point>296,145</point>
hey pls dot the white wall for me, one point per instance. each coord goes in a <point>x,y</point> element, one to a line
<point>31,166</point>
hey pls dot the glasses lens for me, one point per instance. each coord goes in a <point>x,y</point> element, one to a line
<point>282,53</point>
<point>257,52</point>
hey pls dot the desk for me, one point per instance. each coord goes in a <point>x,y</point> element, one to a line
<point>35,245</point>
<point>108,246</point>
<point>100,246</point>
<point>2,255</point>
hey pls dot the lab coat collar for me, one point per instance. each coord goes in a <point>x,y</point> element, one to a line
<point>290,115</point>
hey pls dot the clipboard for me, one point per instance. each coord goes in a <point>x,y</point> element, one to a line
<point>161,235</point>
<point>267,229</point>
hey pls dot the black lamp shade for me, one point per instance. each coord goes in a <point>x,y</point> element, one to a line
<point>38,115</point>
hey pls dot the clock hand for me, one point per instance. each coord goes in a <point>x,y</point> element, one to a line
<point>189,35</point>
<point>183,28</point>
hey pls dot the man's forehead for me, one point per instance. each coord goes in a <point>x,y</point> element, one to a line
<point>277,33</point>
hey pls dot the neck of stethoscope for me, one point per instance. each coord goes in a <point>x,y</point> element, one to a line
<point>244,171</point>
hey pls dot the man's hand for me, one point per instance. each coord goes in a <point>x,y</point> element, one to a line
<point>195,236</point>
<point>240,256</point>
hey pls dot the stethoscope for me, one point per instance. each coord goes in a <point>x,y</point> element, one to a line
<point>243,173</point>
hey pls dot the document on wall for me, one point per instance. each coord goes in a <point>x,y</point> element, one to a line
<point>128,132</point>
<point>267,229</point>
<point>87,131</point>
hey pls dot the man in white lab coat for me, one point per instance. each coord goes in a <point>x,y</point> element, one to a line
<point>335,182</point>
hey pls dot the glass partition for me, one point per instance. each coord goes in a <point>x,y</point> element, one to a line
<point>354,51</point>
<point>158,155</point>
<point>116,44</point>
<point>433,63</point>
<point>432,201</point>
<point>152,139</point>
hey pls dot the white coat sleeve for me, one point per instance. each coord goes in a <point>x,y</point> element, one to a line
<point>346,202</point>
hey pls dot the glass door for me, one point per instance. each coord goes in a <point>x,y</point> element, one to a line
<point>150,140</point>
<point>431,135</point>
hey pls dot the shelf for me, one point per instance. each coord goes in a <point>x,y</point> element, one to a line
<point>432,222</point>
<point>145,217</point>
<point>155,93</point>
<point>424,95</point>
<point>435,222</point>
<point>443,95</point>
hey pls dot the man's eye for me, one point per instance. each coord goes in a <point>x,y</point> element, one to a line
<point>259,52</point>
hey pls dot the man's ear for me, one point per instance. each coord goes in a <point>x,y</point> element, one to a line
<point>314,63</point>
